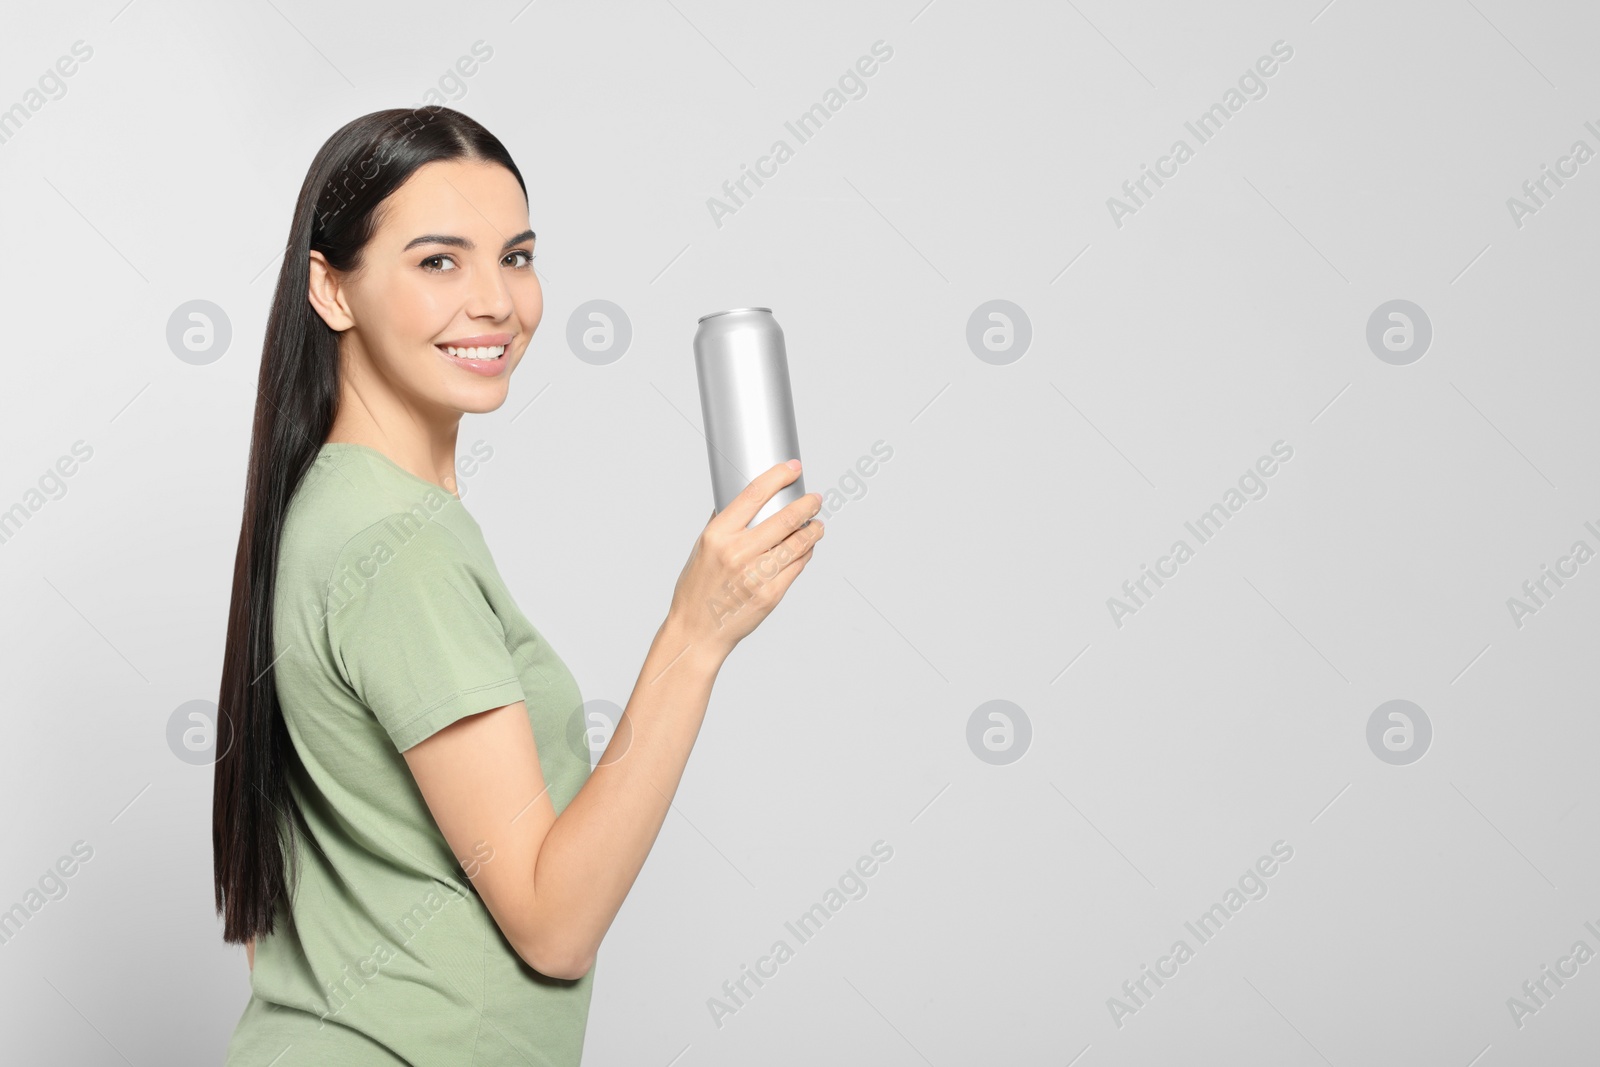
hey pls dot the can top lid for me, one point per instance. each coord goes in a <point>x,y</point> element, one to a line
<point>735,311</point>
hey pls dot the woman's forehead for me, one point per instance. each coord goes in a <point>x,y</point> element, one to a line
<point>466,197</point>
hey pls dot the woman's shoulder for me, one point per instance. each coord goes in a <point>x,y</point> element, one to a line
<point>352,502</point>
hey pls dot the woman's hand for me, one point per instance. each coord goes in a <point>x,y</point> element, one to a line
<point>736,576</point>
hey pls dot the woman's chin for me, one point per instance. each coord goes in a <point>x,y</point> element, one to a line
<point>482,401</point>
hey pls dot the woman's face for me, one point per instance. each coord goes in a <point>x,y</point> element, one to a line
<point>450,264</point>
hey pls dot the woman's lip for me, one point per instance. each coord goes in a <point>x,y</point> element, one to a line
<point>482,340</point>
<point>489,368</point>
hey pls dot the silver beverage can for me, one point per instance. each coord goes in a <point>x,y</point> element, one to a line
<point>746,404</point>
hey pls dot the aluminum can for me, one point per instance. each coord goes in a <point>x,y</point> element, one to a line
<point>745,404</point>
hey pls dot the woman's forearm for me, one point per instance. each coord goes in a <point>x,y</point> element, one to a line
<point>595,849</point>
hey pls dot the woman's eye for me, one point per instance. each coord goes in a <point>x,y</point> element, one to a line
<point>429,263</point>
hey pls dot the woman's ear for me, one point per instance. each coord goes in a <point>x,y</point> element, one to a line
<point>326,296</point>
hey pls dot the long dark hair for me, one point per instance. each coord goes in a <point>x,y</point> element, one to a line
<point>254,818</point>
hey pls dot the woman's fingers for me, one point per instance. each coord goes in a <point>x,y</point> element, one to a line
<point>786,521</point>
<point>742,508</point>
<point>736,575</point>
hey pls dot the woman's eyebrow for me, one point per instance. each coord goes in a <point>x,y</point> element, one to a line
<point>462,242</point>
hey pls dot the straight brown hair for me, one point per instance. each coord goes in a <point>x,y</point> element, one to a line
<point>255,820</point>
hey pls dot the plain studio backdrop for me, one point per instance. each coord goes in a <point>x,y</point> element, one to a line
<point>1024,370</point>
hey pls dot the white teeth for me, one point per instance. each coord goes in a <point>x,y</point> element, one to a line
<point>493,352</point>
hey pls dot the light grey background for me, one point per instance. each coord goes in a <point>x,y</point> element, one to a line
<point>1166,755</point>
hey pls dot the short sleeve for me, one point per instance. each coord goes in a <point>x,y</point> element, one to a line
<point>412,633</point>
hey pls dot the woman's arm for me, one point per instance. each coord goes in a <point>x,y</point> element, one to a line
<point>554,885</point>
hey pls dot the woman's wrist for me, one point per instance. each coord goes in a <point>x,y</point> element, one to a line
<point>689,647</point>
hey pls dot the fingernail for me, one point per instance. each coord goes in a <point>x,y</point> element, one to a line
<point>794,464</point>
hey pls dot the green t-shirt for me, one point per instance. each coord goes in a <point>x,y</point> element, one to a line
<point>391,622</point>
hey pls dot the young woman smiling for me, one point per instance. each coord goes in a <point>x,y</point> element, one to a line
<point>420,863</point>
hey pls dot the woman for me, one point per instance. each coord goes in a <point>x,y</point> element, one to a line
<point>407,834</point>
